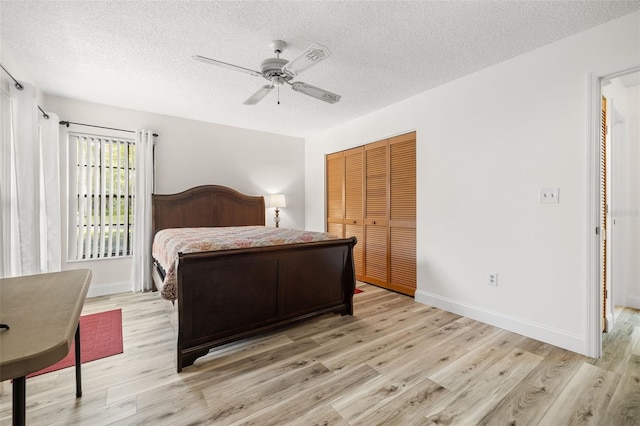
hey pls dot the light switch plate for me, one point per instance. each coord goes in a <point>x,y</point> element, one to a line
<point>549,195</point>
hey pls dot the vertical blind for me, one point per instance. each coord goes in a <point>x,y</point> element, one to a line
<point>103,180</point>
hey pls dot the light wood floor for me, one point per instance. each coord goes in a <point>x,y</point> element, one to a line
<point>394,362</point>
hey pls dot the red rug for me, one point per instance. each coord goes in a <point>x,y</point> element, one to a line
<point>100,337</point>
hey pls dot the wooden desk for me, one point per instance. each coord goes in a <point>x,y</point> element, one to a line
<point>43,313</point>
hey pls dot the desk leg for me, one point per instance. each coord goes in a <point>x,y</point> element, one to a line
<point>78,363</point>
<point>19,401</point>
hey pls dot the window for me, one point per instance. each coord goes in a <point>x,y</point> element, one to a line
<point>101,188</point>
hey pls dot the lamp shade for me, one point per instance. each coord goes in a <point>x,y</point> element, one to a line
<point>276,200</point>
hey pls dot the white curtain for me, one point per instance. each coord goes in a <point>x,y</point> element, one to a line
<point>9,259</point>
<point>29,185</point>
<point>50,237</point>
<point>141,269</point>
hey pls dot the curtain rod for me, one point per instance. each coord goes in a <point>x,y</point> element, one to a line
<point>20,87</point>
<point>66,123</point>
<point>44,114</point>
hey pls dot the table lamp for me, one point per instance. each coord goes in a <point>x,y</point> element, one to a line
<point>277,201</point>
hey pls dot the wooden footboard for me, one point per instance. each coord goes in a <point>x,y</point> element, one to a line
<point>230,295</point>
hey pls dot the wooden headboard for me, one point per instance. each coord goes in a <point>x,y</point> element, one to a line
<point>207,205</point>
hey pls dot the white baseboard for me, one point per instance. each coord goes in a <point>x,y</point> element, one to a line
<point>105,289</point>
<point>633,302</point>
<point>563,339</point>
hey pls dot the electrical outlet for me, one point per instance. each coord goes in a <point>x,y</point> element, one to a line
<point>492,279</point>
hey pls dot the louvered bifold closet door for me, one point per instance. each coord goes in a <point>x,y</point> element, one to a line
<point>354,204</point>
<point>402,213</point>
<point>335,194</point>
<point>376,259</point>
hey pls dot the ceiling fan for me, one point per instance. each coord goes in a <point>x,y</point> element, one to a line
<point>280,71</point>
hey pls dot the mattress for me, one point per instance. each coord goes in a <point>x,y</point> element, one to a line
<point>169,243</point>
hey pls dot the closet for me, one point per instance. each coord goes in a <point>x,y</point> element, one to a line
<point>371,194</point>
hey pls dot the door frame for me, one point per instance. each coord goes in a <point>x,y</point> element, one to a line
<point>593,337</point>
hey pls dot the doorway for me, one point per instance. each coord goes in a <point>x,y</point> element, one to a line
<point>619,196</point>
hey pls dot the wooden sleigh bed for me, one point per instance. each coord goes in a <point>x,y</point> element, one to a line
<point>228,295</point>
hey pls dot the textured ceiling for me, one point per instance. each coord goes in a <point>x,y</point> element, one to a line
<point>137,54</point>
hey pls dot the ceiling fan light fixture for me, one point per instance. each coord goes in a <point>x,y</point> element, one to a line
<point>277,81</point>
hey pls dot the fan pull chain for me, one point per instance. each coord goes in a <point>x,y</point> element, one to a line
<point>278,95</point>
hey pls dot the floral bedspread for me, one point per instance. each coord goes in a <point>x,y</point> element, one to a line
<point>169,242</point>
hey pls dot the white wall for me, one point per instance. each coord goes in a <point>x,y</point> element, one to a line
<point>190,153</point>
<point>485,144</point>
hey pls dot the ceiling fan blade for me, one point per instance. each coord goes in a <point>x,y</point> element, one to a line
<point>257,97</point>
<point>315,92</point>
<point>311,56</point>
<point>226,65</point>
